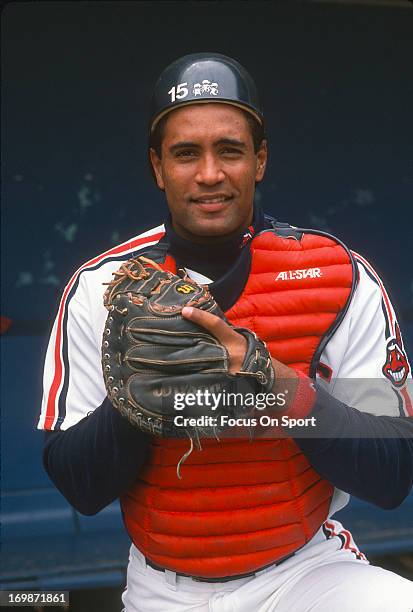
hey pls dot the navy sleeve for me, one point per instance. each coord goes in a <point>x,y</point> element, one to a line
<point>96,460</point>
<point>375,465</point>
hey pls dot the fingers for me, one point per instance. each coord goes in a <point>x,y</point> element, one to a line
<point>216,326</point>
<point>234,342</point>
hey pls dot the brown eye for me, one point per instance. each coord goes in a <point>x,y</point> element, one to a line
<point>231,151</point>
<point>185,153</point>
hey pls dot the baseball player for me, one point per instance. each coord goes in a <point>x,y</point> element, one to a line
<point>247,525</point>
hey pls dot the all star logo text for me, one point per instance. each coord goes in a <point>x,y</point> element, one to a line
<point>299,274</point>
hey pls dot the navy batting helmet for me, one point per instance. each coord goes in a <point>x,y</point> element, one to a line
<point>204,77</point>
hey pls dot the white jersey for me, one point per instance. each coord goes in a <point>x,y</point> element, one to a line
<point>366,346</point>
<point>367,339</point>
<point>73,382</point>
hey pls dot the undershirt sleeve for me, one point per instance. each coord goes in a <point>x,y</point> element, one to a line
<point>377,468</point>
<point>95,461</point>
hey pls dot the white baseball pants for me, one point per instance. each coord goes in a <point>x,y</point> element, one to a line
<point>322,577</point>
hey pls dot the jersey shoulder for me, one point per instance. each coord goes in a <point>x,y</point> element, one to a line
<point>72,384</point>
<point>372,291</point>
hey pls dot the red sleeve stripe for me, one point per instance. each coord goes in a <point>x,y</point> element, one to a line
<point>51,411</point>
<point>407,401</point>
<point>386,299</point>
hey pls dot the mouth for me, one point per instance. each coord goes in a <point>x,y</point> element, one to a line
<point>398,374</point>
<point>212,202</point>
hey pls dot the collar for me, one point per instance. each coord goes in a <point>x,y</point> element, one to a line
<point>213,260</point>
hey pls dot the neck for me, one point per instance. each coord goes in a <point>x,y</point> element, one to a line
<point>212,256</point>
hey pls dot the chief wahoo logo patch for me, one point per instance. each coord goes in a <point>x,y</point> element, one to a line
<point>396,368</point>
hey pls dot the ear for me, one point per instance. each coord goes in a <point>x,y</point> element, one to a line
<point>262,157</point>
<point>157,168</point>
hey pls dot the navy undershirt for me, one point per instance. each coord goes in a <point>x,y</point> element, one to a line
<point>93,462</point>
<point>216,259</point>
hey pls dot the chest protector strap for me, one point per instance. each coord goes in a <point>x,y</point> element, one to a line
<point>243,505</point>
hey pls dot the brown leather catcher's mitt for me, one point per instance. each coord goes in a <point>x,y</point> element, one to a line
<point>151,355</point>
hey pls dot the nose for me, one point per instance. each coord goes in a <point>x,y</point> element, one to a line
<point>209,170</point>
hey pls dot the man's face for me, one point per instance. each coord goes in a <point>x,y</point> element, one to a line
<point>208,170</point>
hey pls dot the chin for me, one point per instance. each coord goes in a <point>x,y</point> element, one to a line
<point>212,230</point>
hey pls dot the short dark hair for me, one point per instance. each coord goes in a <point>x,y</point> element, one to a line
<point>257,133</point>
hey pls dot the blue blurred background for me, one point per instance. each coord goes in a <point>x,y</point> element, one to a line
<point>336,84</point>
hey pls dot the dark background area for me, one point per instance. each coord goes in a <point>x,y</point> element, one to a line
<point>336,84</point>
<point>337,90</point>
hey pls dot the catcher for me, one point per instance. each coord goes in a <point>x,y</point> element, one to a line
<point>159,343</point>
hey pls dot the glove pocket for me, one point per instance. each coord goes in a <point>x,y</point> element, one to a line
<point>173,329</point>
<point>181,358</point>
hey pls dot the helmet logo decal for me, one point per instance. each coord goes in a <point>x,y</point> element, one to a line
<point>205,87</point>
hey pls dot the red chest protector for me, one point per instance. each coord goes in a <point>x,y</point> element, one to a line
<point>243,505</point>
